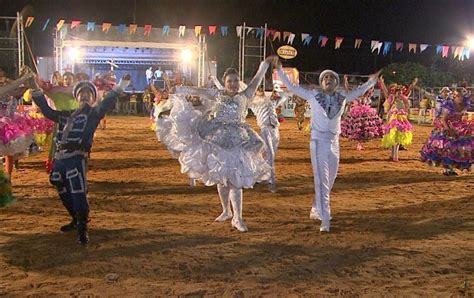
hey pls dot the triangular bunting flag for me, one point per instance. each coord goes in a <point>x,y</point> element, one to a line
<point>386,47</point>
<point>260,32</point>
<point>286,34</point>
<point>376,45</point>
<point>323,40</point>
<point>75,23</point>
<point>147,30</point>
<point>29,21</point>
<point>412,47</point>
<point>338,42</point>
<point>224,30</point>
<point>277,34</point>
<point>357,43</point>
<point>197,30</point>
<point>106,27</point>
<point>45,24</point>
<point>303,36</point>
<point>291,38</point>
<point>212,29</point>
<point>307,39</point>
<point>445,51</point>
<point>269,32</point>
<point>423,47</point>
<point>439,49</point>
<point>181,30</point>
<point>399,46</point>
<point>466,53</point>
<point>121,28</point>
<point>90,26</point>
<point>238,29</point>
<point>249,30</point>
<point>165,30</point>
<point>457,52</point>
<point>59,25</point>
<point>132,29</point>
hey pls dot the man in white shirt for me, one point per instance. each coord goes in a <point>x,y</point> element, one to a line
<point>327,106</point>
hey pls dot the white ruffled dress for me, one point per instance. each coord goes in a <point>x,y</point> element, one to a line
<point>213,141</point>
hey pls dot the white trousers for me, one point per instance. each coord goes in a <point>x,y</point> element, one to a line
<point>325,162</point>
<point>271,137</point>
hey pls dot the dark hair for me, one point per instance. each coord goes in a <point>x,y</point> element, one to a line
<point>229,71</point>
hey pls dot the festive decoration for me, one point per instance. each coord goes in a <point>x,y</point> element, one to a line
<point>181,30</point>
<point>121,28</point>
<point>45,24</point>
<point>147,30</point>
<point>212,29</point>
<point>90,26</point>
<point>75,23</point>
<point>197,30</point>
<point>357,43</point>
<point>59,25</point>
<point>386,47</point>
<point>445,51</point>
<point>399,46</point>
<point>277,34</point>
<point>106,27</point>
<point>238,29</point>
<point>29,21</point>
<point>376,45</point>
<point>322,40</point>
<point>423,47</point>
<point>306,38</point>
<point>132,29</point>
<point>249,30</point>
<point>260,32</point>
<point>412,47</point>
<point>224,30</point>
<point>166,30</point>
<point>338,42</point>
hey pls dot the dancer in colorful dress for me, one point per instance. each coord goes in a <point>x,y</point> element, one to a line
<point>73,142</point>
<point>326,109</point>
<point>398,131</point>
<point>216,145</point>
<point>451,144</point>
<point>362,122</point>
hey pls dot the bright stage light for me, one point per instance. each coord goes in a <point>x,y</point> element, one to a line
<point>74,53</point>
<point>186,55</point>
<point>470,42</point>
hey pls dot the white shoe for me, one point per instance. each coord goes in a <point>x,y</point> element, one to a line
<point>224,216</point>
<point>239,225</point>
<point>313,214</point>
<point>324,227</point>
<point>272,187</point>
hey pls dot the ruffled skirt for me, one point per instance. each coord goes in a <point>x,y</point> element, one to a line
<point>398,130</point>
<point>450,149</point>
<point>212,151</point>
<point>361,124</point>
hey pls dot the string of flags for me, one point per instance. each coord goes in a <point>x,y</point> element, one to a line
<point>380,47</point>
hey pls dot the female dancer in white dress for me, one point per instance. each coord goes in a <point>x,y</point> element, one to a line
<point>214,142</point>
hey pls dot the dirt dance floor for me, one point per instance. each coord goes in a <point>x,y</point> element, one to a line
<point>398,228</point>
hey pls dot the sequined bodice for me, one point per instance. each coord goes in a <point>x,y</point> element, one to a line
<point>230,109</point>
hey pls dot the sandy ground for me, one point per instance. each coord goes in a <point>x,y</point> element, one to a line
<point>398,228</point>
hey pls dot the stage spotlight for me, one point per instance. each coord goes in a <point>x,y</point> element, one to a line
<point>74,53</point>
<point>186,55</point>
<point>470,42</point>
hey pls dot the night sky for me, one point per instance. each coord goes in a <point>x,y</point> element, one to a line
<point>416,21</point>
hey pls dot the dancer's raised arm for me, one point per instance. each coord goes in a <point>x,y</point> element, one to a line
<point>359,91</point>
<point>257,78</point>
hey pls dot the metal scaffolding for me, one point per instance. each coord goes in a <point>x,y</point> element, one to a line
<point>255,51</point>
<point>12,42</point>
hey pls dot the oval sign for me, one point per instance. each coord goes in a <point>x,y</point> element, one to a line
<point>287,52</point>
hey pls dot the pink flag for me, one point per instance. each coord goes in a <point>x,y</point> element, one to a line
<point>399,46</point>
<point>445,51</point>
